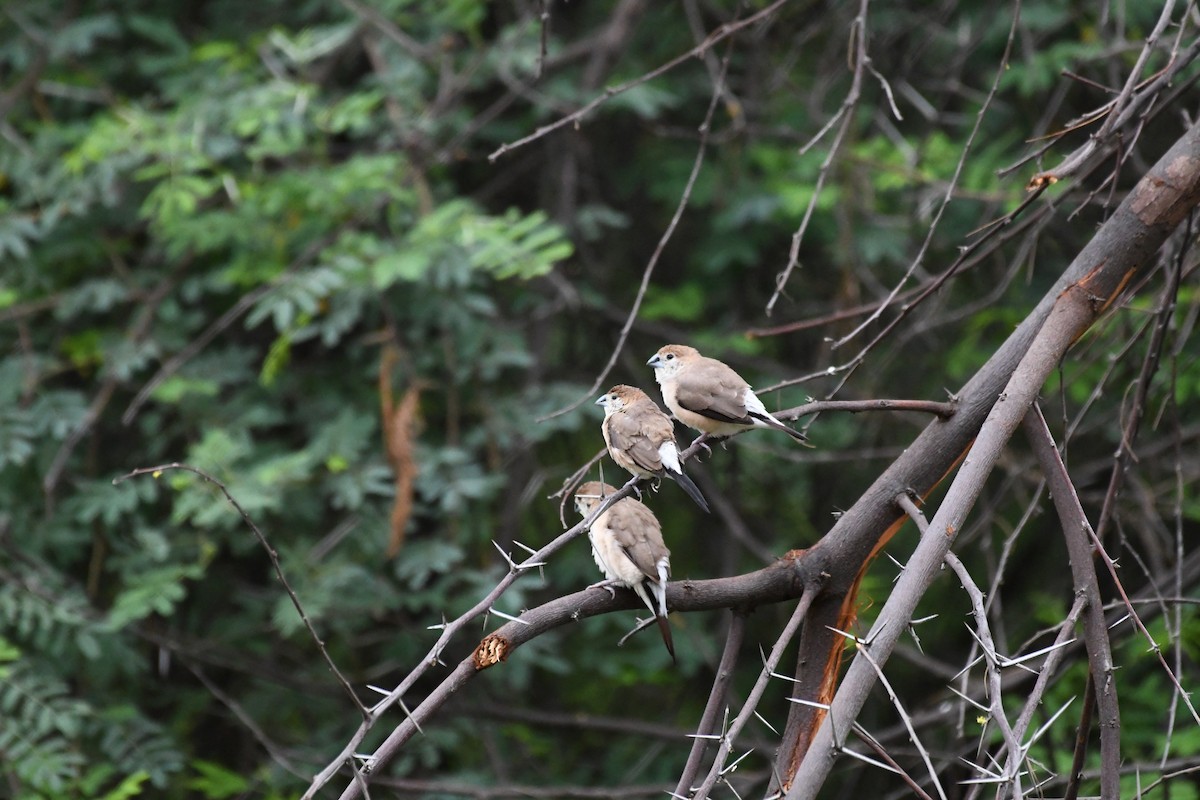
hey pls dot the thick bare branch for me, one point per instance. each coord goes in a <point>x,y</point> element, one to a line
<point>786,579</point>
<point>1003,390</point>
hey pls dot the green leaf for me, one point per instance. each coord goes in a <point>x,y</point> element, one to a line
<point>155,591</point>
<point>130,786</point>
<point>215,782</point>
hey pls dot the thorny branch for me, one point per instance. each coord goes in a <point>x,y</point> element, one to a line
<point>1076,531</point>
<point>449,629</point>
<point>271,553</point>
<point>719,767</point>
<point>789,578</point>
<point>1097,276</point>
<point>706,729</point>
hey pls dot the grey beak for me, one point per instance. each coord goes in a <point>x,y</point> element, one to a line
<point>602,399</point>
<point>654,360</point>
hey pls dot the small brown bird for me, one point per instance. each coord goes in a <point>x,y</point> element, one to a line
<point>708,395</point>
<point>641,438</point>
<point>628,546</point>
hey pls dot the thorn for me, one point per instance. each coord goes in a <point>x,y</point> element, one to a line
<point>733,766</point>
<point>512,565</point>
<point>813,703</point>
<point>416,724</point>
<point>508,617</point>
<point>770,727</point>
<point>869,760</point>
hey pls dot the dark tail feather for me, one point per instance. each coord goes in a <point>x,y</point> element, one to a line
<point>795,434</point>
<point>664,628</point>
<point>693,491</point>
<point>774,423</point>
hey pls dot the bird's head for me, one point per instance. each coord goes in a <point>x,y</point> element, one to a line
<point>669,359</point>
<point>619,397</point>
<point>590,495</point>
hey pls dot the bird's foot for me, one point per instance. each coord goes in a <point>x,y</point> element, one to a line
<point>607,584</point>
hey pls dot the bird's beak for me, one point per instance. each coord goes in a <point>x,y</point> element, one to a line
<point>602,400</point>
<point>655,360</point>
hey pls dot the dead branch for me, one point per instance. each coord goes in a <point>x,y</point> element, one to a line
<point>993,403</point>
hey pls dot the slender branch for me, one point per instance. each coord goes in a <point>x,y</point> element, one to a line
<point>256,731</point>
<point>858,50</point>
<point>684,199</point>
<point>994,230</point>
<point>571,482</point>
<point>995,692</point>
<point>716,701</point>
<point>1082,732</point>
<point>543,39</point>
<point>1034,699</point>
<point>721,33</point>
<point>938,409</point>
<point>1076,531</point>
<point>730,735</point>
<point>1129,103</point>
<point>887,759</point>
<point>951,186</point>
<point>271,554</point>
<point>864,648</point>
<point>984,637</point>
<point>1138,407</point>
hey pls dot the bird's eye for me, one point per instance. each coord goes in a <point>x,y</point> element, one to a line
<point>670,356</point>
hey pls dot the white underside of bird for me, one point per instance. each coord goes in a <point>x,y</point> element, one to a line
<point>618,569</point>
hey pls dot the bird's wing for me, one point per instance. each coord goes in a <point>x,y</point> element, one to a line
<point>637,532</point>
<point>638,433</point>
<point>711,389</point>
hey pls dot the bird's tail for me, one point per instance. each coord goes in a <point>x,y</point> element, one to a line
<point>664,628</point>
<point>795,434</point>
<point>658,606</point>
<point>769,419</point>
<point>689,486</point>
<point>660,594</point>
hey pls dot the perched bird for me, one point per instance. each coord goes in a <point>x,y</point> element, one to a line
<point>628,546</point>
<point>641,438</point>
<point>708,395</point>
